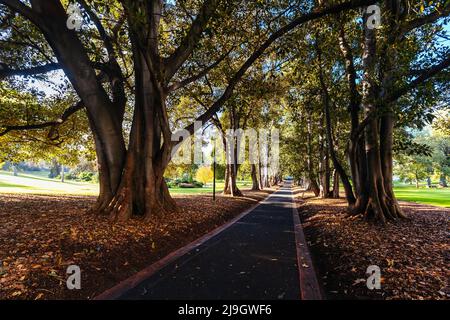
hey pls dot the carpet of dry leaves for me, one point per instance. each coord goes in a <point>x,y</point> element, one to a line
<point>41,235</point>
<point>413,254</point>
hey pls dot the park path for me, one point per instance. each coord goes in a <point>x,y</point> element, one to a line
<point>254,258</point>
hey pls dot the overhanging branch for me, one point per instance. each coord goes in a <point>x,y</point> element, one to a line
<point>217,105</point>
<point>53,124</point>
<point>423,76</point>
<point>24,10</point>
<point>429,18</point>
<point>179,56</point>
<point>101,30</point>
<point>185,82</point>
<point>7,72</point>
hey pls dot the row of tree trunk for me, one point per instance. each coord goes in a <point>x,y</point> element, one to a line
<point>369,188</point>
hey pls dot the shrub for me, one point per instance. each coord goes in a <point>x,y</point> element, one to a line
<point>204,175</point>
<point>86,176</point>
<point>172,184</point>
<point>198,184</point>
<point>71,176</point>
<point>95,178</point>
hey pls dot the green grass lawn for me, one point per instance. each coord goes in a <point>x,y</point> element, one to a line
<point>433,196</point>
<point>207,189</point>
<point>39,183</point>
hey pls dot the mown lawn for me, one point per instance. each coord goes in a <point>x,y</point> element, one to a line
<point>434,196</point>
<point>208,188</point>
<point>38,183</point>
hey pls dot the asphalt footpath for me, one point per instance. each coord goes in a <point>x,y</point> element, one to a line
<point>255,258</point>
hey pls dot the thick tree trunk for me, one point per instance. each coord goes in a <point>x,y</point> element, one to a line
<point>356,147</point>
<point>389,62</point>
<point>336,184</point>
<point>232,155</point>
<point>143,190</point>
<point>373,208</point>
<point>380,203</point>
<point>266,183</point>
<point>105,117</point>
<point>231,187</point>
<point>255,182</point>
<point>131,182</point>
<point>386,155</point>
<point>312,185</point>
<point>373,205</point>
<point>358,162</point>
<point>329,136</point>
<point>324,169</point>
<point>106,186</point>
<point>261,186</point>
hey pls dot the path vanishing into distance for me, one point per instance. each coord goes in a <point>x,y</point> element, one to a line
<point>254,257</point>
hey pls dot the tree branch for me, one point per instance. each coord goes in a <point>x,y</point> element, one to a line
<point>423,76</point>
<point>217,105</point>
<point>24,10</point>
<point>180,84</point>
<point>430,18</point>
<point>7,72</point>
<point>179,56</point>
<point>101,30</point>
<point>361,126</point>
<point>66,114</point>
<point>215,119</point>
<point>350,70</point>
